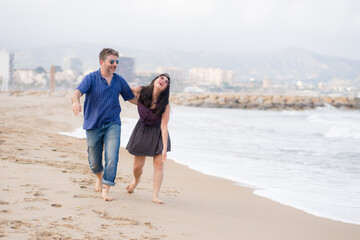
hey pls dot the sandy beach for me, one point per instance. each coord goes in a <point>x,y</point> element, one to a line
<point>46,189</point>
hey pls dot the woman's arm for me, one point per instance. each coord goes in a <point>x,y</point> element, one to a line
<point>136,92</point>
<point>164,131</point>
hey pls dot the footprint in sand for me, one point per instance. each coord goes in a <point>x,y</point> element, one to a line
<point>171,192</point>
<point>16,224</point>
<point>83,181</point>
<point>69,219</point>
<point>35,199</point>
<point>6,211</point>
<point>85,196</point>
<point>156,237</point>
<point>34,208</point>
<point>149,225</point>
<point>69,226</point>
<point>56,205</point>
<point>105,226</point>
<point>121,221</point>
<point>38,194</point>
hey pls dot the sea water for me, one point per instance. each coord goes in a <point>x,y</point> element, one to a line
<point>309,159</point>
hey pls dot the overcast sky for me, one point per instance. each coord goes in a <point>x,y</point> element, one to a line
<point>330,27</point>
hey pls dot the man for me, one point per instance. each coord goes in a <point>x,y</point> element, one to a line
<point>102,117</point>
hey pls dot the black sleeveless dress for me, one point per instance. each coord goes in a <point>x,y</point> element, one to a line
<point>146,138</point>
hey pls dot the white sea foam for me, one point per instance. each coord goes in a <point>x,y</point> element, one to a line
<point>77,133</point>
<point>343,132</point>
<point>125,131</point>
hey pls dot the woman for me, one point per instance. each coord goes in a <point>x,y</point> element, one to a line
<point>150,136</point>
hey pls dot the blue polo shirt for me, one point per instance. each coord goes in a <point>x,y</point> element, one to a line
<point>102,104</point>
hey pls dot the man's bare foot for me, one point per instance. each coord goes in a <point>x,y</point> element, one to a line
<point>105,193</point>
<point>131,187</point>
<point>158,201</point>
<point>98,185</point>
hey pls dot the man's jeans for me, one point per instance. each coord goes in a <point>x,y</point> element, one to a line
<point>108,136</point>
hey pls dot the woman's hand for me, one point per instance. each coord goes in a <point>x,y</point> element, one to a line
<point>164,156</point>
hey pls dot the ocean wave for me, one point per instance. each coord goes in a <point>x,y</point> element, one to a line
<point>288,156</point>
<point>343,132</point>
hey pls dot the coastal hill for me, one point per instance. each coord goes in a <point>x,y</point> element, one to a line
<point>283,65</point>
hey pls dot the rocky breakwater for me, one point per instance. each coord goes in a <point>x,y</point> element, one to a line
<point>264,102</point>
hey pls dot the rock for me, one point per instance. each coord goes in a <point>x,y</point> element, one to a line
<point>261,102</point>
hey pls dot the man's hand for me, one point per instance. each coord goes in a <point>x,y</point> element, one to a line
<point>75,99</point>
<point>76,108</point>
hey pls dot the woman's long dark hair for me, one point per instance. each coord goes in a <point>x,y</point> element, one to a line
<point>146,94</point>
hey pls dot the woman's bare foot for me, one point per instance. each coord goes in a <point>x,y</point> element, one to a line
<point>131,187</point>
<point>158,201</point>
<point>105,193</point>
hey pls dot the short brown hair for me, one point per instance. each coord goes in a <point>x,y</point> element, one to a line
<point>107,52</point>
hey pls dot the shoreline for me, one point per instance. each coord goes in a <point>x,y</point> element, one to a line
<point>251,187</point>
<point>311,212</point>
<point>198,206</point>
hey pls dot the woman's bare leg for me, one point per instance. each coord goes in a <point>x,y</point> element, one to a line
<point>139,162</point>
<point>157,178</point>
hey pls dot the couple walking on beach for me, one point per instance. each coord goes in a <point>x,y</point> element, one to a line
<point>102,123</point>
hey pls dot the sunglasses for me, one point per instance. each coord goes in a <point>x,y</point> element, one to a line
<point>112,61</point>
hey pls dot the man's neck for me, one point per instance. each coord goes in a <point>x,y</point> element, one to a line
<point>106,74</point>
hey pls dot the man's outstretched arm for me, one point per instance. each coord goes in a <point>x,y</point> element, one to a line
<point>75,99</point>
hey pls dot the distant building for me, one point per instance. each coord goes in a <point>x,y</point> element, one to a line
<point>64,78</point>
<point>6,69</point>
<point>299,85</point>
<point>126,68</point>
<point>211,76</point>
<point>74,65</point>
<point>144,78</point>
<point>176,73</point>
<point>267,83</point>
<point>193,89</point>
<point>30,79</point>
